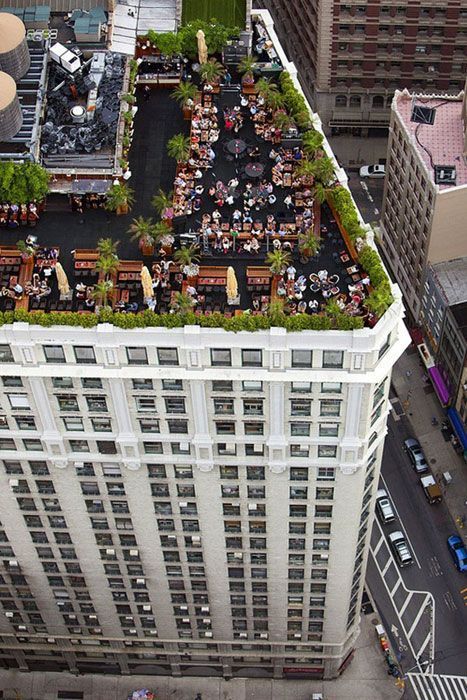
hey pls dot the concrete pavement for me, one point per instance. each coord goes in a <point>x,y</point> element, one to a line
<point>419,402</point>
<point>366,678</point>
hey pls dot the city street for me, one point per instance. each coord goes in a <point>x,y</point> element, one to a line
<point>423,605</point>
<point>368,195</point>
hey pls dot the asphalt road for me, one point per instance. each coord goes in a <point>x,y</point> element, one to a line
<point>442,598</point>
<point>368,195</point>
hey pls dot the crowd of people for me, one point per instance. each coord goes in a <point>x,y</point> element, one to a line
<point>16,215</point>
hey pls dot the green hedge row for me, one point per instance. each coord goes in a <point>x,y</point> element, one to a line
<point>148,319</point>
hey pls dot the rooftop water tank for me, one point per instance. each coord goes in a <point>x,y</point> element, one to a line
<point>78,114</point>
<point>11,117</point>
<point>14,52</point>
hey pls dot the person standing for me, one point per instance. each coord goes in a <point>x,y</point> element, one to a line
<point>147,92</point>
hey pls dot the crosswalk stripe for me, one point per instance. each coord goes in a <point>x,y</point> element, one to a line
<point>438,687</point>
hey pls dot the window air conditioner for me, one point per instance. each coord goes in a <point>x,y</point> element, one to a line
<point>79,464</point>
<point>208,634</point>
<point>195,538</point>
<point>205,608</point>
<point>186,619</point>
<point>325,557</point>
<point>147,608</point>
<point>297,636</point>
<point>182,504</point>
<point>50,640</point>
<point>134,552</point>
<point>185,446</point>
<point>243,635</point>
<point>252,506</point>
<point>238,555</point>
<point>13,483</point>
<point>141,581</point>
<point>257,449</point>
<point>13,564</point>
<point>229,446</point>
<point>206,620</point>
<point>110,552</point>
<point>129,618</point>
<point>263,635</point>
<point>183,607</point>
<point>8,614</point>
<point>23,628</point>
<point>93,617</point>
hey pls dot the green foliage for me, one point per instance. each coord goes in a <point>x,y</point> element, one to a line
<point>142,230</point>
<point>342,202</point>
<point>308,244</point>
<point>226,11</point>
<point>185,92</point>
<point>247,65</point>
<point>178,147</point>
<point>162,201</point>
<point>168,43</point>
<point>371,263</point>
<point>103,291</point>
<point>106,247</point>
<point>217,35</point>
<point>186,255</point>
<point>278,260</point>
<point>128,98</point>
<point>120,195</point>
<point>23,183</point>
<point>108,265</point>
<point>211,71</point>
<point>294,101</point>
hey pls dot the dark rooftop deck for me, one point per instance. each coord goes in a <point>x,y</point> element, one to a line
<point>156,121</point>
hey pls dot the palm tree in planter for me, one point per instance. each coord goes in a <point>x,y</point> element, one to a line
<point>182,303</point>
<point>106,247</point>
<point>379,300</point>
<point>163,236</point>
<point>178,147</point>
<point>305,170</point>
<point>278,261</point>
<point>188,258</point>
<point>102,292</point>
<point>120,198</point>
<point>26,250</point>
<point>142,230</point>
<point>283,121</point>
<point>323,170</point>
<point>107,265</point>
<point>211,71</point>
<point>163,204</point>
<point>320,192</point>
<point>185,95</point>
<point>312,142</point>
<point>246,69</point>
<point>270,93</point>
<point>308,245</point>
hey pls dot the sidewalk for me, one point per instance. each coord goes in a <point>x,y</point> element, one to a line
<point>366,678</point>
<point>420,403</point>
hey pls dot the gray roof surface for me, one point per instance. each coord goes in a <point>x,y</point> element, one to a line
<point>452,279</point>
<point>57,5</point>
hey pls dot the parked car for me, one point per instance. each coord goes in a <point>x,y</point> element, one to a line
<point>372,171</point>
<point>400,548</point>
<point>416,455</point>
<point>431,489</point>
<point>384,507</point>
<point>458,552</point>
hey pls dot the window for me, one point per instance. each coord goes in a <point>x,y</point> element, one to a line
<point>174,404</point>
<point>183,472</point>
<point>252,385</point>
<point>330,407</point>
<point>251,450</point>
<point>12,381</point>
<point>32,445</point>
<point>149,425</point>
<point>324,493</point>
<point>3,423</point>
<point>300,429</point>
<point>385,347</point>
<point>302,358</point>
<point>222,385</point>
<point>54,353</point>
<point>253,407</point>
<point>67,402</point>
<point>255,473</point>
<point>333,358</point>
<point>152,448</point>
<point>298,474</point>
<point>172,384</point>
<point>84,354</point>
<point>137,356</point>
<point>327,450</point>
<point>221,357</point>
<point>73,424</point>
<point>223,406</point>
<point>228,472</point>
<point>7,444</point>
<point>97,404</point>
<point>299,450</point>
<point>252,358</point>
<point>177,426</point>
<point>328,429</point>
<point>145,403</point>
<point>101,425</point>
<point>167,356</point>
<point>18,401</point>
<point>379,393</point>
<point>25,422</point>
<point>226,448</point>
<point>225,428</point>
<point>300,387</point>
<point>62,382</point>
<point>142,384</point>
<point>5,354</point>
<point>79,446</point>
<point>106,447</point>
<point>331,387</point>
<point>300,407</point>
<point>253,428</point>
<point>91,383</point>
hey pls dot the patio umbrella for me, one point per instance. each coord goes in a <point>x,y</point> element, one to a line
<point>202,48</point>
<point>62,279</point>
<point>231,286</point>
<point>146,283</point>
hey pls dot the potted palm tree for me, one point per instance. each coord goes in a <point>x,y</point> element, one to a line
<point>107,265</point>
<point>185,94</point>
<point>323,170</point>
<point>163,235</point>
<point>106,247</point>
<point>308,245</point>
<point>246,69</point>
<point>120,198</point>
<point>278,261</point>
<point>379,300</point>
<point>211,72</point>
<point>163,204</point>
<point>283,121</point>
<point>188,258</point>
<point>142,230</point>
<point>181,303</point>
<point>102,292</point>
<point>178,147</point>
<point>270,93</point>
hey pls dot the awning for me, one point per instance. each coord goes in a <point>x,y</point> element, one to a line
<point>439,384</point>
<point>90,186</point>
<point>457,424</point>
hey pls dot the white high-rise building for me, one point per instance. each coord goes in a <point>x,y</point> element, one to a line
<point>189,500</point>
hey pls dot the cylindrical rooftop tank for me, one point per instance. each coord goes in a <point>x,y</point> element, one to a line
<point>14,52</point>
<point>11,116</point>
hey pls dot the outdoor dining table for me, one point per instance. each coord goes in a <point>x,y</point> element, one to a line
<point>254,170</point>
<point>236,147</point>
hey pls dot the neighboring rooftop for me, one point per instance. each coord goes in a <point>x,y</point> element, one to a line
<point>459,311</point>
<point>451,276</point>
<point>436,128</point>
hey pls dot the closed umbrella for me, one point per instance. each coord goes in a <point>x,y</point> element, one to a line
<point>231,286</point>
<point>62,279</point>
<point>146,282</point>
<point>202,48</point>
